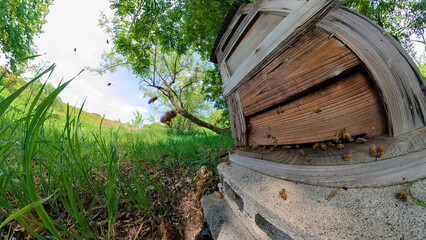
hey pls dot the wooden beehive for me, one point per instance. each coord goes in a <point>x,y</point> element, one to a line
<point>299,72</point>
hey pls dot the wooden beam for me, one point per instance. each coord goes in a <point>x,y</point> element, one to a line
<point>237,120</point>
<point>398,80</point>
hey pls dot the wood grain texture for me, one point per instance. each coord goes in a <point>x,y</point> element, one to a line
<point>302,14</point>
<point>352,104</point>
<point>397,170</point>
<point>237,120</point>
<point>315,58</point>
<point>398,80</point>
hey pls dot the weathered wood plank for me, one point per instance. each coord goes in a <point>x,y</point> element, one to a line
<point>399,83</point>
<point>373,174</point>
<point>237,120</point>
<point>261,26</point>
<point>304,13</point>
<point>351,103</point>
<point>313,59</point>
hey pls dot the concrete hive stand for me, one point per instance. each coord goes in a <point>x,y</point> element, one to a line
<point>299,72</point>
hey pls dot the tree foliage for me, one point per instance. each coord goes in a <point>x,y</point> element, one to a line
<point>20,21</point>
<point>401,18</point>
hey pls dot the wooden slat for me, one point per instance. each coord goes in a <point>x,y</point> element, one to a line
<point>352,104</point>
<point>398,80</point>
<point>237,120</point>
<point>304,13</point>
<point>315,58</point>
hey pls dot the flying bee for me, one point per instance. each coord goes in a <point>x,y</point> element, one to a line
<point>373,150</point>
<point>330,144</point>
<point>316,145</point>
<point>317,110</point>
<point>401,195</point>
<point>340,146</point>
<point>361,140</point>
<point>302,152</point>
<point>283,194</point>
<point>380,151</point>
<point>323,146</point>
<point>153,99</point>
<point>348,157</point>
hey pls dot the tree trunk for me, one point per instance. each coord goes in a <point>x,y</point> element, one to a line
<point>182,111</point>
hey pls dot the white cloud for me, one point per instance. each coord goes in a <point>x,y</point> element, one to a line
<point>74,24</point>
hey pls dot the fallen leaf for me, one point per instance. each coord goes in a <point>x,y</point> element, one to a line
<point>166,230</point>
<point>203,182</point>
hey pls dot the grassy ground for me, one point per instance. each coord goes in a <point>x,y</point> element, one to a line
<point>67,174</point>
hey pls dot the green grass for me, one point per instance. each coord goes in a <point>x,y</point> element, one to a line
<point>59,165</point>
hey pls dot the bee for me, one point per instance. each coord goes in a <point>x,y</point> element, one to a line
<point>142,67</point>
<point>268,128</point>
<point>317,110</point>
<point>373,150</point>
<point>153,99</point>
<point>228,162</point>
<point>351,139</point>
<point>218,194</point>
<point>302,152</point>
<point>338,137</point>
<point>340,146</point>
<point>330,144</point>
<point>316,145</point>
<point>280,111</point>
<point>323,146</point>
<point>283,194</point>
<point>361,140</point>
<point>286,147</point>
<point>267,135</point>
<point>275,143</point>
<point>255,146</point>
<point>401,195</point>
<point>346,135</point>
<point>296,146</point>
<point>348,157</point>
<point>381,151</point>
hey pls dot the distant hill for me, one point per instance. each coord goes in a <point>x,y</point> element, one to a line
<point>10,83</point>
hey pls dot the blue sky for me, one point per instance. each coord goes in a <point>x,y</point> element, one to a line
<point>74,24</point>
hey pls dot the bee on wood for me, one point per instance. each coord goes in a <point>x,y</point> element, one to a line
<point>401,195</point>
<point>338,137</point>
<point>255,146</point>
<point>268,128</point>
<point>317,110</point>
<point>316,145</point>
<point>348,157</point>
<point>296,146</point>
<point>280,111</point>
<point>345,134</point>
<point>351,139</point>
<point>283,194</point>
<point>381,151</point>
<point>286,147</point>
<point>275,143</point>
<point>373,150</point>
<point>302,152</point>
<point>340,146</point>
<point>361,140</point>
<point>267,135</point>
<point>330,144</point>
<point>323,146</point>
<point>152,100</point>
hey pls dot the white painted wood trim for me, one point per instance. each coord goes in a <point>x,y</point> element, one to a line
<point>303,13</point>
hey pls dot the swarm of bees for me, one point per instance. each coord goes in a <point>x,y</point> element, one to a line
<point>168,116</point>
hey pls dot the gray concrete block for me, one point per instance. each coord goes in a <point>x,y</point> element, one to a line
<point>223,223</point>
<point>367,213</point>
